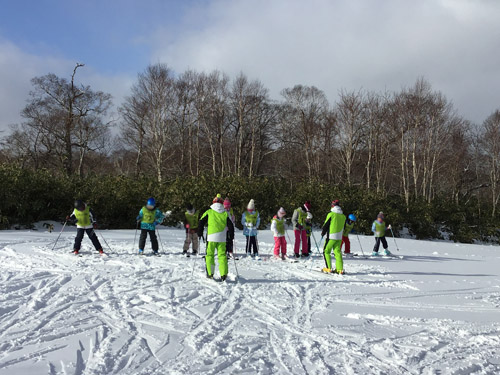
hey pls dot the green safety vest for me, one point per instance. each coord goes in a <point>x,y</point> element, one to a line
<point>337,222</point>
<point>83,217</point>
<point>280,225</point>
<point>148,217</point>
<point>379,229</point>
<point>302,216</point>
<point>251,218</point>
<point>348,229</point>
<point>217,225</point>
<point>192,219</point>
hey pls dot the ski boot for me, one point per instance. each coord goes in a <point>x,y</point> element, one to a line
<point>101,252</point>
<point>194,253</point>
<point>375,254</point>
<point>297,255</point>
<point>141,252</point>
<point>156,253</point>
<point>76,251</point>
<point>387,252</point>
<point>305,255</point>
<point>340,272</point>
<point>326,270</point>
<point>223,278</point>
<point>210,276</point>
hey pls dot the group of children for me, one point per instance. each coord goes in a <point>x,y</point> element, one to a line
<point>220,220</point>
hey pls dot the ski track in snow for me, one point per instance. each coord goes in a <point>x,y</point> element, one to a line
<point>436,311</point>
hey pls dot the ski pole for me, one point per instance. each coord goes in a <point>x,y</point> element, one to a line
<point>235,268</point>
<point>395,243</point>
<point>106,242</point>
<point>361,247</point>
<point>321,240</point>
<point>53,247</point>
<point>316,242</point>
<point>159,237</point>
<point>289,241</point>
<point>194,260</point>
<point>135,235</point>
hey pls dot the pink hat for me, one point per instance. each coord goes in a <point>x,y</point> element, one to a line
<point>227,203</point>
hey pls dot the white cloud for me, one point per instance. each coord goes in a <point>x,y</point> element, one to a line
<point>347,44</point>
<point>18,67</point>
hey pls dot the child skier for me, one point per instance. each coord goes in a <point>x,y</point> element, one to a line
<point>333,227</point>
<point>379,228</point>
<point>349,225</point>
<point>219,229</point>
<point>150,217</point>
<point>251,221</point>
<point>191,218</point>
<point>278,229</point>
<point>308,227</point>
<point>230,213</point>
<point>85,223</point>
<point>299,222</point>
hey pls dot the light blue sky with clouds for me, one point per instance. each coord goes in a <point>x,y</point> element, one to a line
<point>332,44</point>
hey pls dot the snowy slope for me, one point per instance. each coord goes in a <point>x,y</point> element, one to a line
<point>436,311</point>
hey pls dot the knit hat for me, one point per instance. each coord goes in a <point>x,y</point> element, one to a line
<point>335,202</point>
<point>251,205</point>
<point>281,212</point>
<point>227,203</point>
<point>307,205</point>
<point>189,207</point>
<point>380,215</point>
<point>218,199</point>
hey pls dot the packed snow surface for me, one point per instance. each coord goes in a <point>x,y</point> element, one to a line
<point>436,310</point>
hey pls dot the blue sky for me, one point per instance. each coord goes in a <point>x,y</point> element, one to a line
<point>332,44</point>
<point>110,35</point>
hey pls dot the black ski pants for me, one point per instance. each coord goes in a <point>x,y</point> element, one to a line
<point>152,237</point>
<point>252,244</point>
<point>378,240</point>
<point>91,234</point>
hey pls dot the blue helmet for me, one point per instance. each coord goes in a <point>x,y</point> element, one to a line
<point>352,217</point>
<point>151,202</point>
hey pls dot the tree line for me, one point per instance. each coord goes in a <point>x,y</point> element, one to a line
<point>412,143</point>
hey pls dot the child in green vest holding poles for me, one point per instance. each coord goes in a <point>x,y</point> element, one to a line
<point>251,221</point>
<point>379,228</point>
<point>191,218</point>
<point>218,226</point>
<point>278,229</point>
<point>333,228</point>
<point>85,223</point>
<point>299,229</point>
<point>229,243</point>
<point>150,217</point>
<point>349,225</point>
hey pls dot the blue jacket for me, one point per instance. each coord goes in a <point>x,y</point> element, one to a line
<point>158,219</point>
<point>249,231</point>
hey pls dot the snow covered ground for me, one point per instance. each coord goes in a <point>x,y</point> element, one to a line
<point>436,311</point>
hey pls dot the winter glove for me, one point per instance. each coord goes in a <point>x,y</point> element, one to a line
<point>389,227</point>
<point>249,225</point>
<point>138,218</point>
<point>67,218</point>
<point>187,226</point>
<point>94,225</point>
<point>155,223</point>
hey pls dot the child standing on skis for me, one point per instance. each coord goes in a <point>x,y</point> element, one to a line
<point>85,223</point>
<point>191,218</point>
<point>219,229</point>
<point>150,217</point>
<point>299,229</point>
<point>379,228</point>
<point>251,221</point>
<point>308,227</point>
<point>333,228</point>
<point>230,213</point>
<point>278,229</point>
<point>349,225</point>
